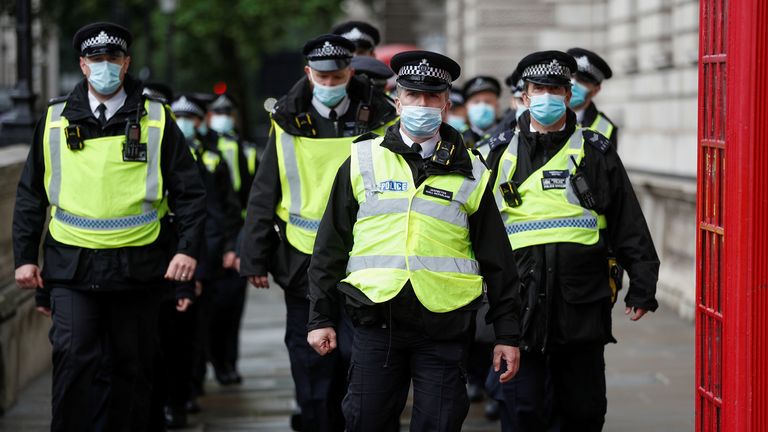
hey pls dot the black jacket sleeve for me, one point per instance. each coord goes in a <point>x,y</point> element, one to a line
<point>186,192</point>
<point>230,205</point>
<point>332,246</point>
<point>497,265</point>
<point>31,203</point>
<point>259,240</point>
<point>627,229</point>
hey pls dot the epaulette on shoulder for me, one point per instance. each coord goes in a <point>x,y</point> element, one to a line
<point>498,139</point>
<point>366,136</point>
<point>597,140</point>
<point>155,98</point>
<point>59,99</point>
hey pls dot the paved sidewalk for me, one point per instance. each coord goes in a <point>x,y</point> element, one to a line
<point>650,377</point>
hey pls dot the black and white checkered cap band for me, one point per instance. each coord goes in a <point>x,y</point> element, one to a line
<point>586,67</point>
<point>328,51</point>
<point>425,70</point>
<point>103,39</point>
<point>183,105</point>
<point>547,69</point>
<point>356,34</point>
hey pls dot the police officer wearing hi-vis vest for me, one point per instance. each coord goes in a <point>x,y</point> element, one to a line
<point>409,238</point>
<point>113,166</point>
<point>313,127</point>
<point>564,196</point>
<point>587,82</point>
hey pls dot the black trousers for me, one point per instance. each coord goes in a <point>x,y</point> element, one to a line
<point>385,362</point>
<point>561,391</point>
<point>227,304</point>
<point>320,381</point>
<point>103,353</point>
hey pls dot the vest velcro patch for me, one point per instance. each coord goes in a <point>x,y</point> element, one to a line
<point>554,179</point>
<point>393,186</point>
<point>438,193</point>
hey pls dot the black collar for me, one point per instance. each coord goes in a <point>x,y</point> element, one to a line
<point>461,163</point>
<point>78,108</point>
<point>590,114</point>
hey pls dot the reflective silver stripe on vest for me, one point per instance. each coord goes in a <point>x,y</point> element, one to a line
<point>586,222</point>
<point>105,224</point>
<point>230,155</point>
<point>153,156</point>
<point>54,148</point>
<point>435,264</point>
<point>365,162</point>
<point>468,185</point>
<point>376,207</point>
<point>575,144</point>
<point>292,174</point>
<point>450,213</point>
<point>505,172</point>
<point>602,125</point>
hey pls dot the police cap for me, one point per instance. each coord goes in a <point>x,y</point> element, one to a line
<point>481,84</point>
<point>457,98</point>
<point>223,105</point>
<point>328,53</point>
<point>187,106</point>
<point>551,68</point>
<point>371,67</point>
<point>515,84</point>
<point>425,70</point>
<point>362,34</point>
<point>591,66</point>
<point>102,38</point>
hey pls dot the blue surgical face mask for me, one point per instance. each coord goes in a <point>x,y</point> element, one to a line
<point>421,122</point>
<point>222,123</point>
<point>105,77</point>
<point>202,129</point>
<point>547,108</point>
<point>520,110</point>
<point>481,115</point>
<point>329,96</point>
<point>187,127</point>
<point>579,94</point>
<point>457,122</point>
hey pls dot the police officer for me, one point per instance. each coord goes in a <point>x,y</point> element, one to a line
<point>179,332</point>
<point>313,127</point>
<point>365,36</point>
<point>410,234</point>
<point>481,96</point>
<point>587,83</point>
<point>556,186</point>
<point>516,108</point>
<point>457,114</point>
<point>111,164</point>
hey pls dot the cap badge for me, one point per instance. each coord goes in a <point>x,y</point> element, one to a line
<point>554,68</point>
<point>582,62</point>
<point>101,39</point>
<point>424,65</point>
<point>327,48</point>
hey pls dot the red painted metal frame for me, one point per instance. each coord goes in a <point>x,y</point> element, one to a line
<point>710,232</point>
<point>732,215</point>
<point>745,389</point>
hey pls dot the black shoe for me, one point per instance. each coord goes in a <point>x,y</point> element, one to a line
<point>175,418</point>
<point>492,410</point>
<point>224,377</point>
<point>296,420</point>
<point>474,392</point>
<point>235,378</point>
<point>192,406</point>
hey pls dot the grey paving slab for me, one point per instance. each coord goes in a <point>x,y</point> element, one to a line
<point>649,377</point>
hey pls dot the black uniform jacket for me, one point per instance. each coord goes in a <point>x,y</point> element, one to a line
<point>486,231</point>
<point>121,268</point>
<point>263,248</point>
<point>223,219</point>
<point>590,114</point>
<point>211,141</point>
<point>566,295</point>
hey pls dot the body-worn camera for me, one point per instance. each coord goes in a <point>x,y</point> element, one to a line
<point>581,188</point>
<point>444,153</point>
<point>510,194</point>
<point>74,138</point>
<point>133,149</point>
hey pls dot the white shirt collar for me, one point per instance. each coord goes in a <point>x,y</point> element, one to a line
<point>530,126</point>
<point>340,108</point>
<point>427,147</point>
<point>113,104</point>
<point>580,115</point>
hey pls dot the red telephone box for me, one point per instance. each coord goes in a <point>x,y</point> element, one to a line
<point>732,215</point>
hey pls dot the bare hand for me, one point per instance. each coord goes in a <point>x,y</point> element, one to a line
<point>323,340</point>
<point>181,268</point>
<point>44,310</point>
<point>228,260</point>
<point>182,304</point>
<point>639,312</point>
<point>28,277</point>
<point>259,281</point>
<point>509,354</point>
